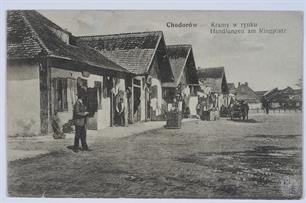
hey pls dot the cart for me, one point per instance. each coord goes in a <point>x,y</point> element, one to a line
<point>235,112</point>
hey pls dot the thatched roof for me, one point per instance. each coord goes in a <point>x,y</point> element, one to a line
<point>213,78</point>
<point>182,62</point>
<point>244,92</point>
<point>134,51</point>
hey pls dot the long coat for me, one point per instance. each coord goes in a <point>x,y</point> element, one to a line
<point>79,115</point>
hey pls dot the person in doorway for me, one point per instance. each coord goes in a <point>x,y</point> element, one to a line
<point>120,112</point>
<point>80,121</point>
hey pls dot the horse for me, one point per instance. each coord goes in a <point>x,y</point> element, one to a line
<point>240,110</point>
<point>244,110</point>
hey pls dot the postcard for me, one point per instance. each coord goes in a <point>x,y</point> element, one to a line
<point>200,104</point>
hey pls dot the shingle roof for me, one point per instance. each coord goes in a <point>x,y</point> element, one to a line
<point>134,51</point>
<point>213,78</point>
<point>179,56</point>
<point>29,34</point>
<point>244,92</point>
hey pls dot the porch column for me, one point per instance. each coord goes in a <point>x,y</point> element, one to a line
<point>45,96</point>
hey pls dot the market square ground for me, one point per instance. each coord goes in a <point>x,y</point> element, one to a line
<point>260,158</point>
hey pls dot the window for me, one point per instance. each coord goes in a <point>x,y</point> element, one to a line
<point>98,86</point>
<point>60,100</point>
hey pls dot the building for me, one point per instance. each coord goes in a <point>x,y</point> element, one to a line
<point>260,94</point>
<point>47,68</point>
<point>245,93</point>
<point>286,98</point>
<point>185,76</point>
<point>232,92</point>
<point>213,80</point>
<point>143,54</point>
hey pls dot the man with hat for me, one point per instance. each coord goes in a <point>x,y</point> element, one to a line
<point>80,120</point>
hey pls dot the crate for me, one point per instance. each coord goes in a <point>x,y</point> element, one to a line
<point>174,120</point>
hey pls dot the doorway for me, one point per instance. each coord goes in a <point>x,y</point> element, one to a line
<point>136,104</point>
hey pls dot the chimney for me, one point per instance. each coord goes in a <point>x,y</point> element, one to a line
<point>238,84</point>
<point>246,83</point>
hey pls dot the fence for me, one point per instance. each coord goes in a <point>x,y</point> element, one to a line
<point>275,110</point>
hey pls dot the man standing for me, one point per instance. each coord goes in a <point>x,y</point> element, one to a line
<point>120,112</point>
<point>80,120</point>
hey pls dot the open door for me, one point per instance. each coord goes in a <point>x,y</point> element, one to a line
<point>137,106</point>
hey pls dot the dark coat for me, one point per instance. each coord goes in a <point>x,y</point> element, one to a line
<point>79,115</point>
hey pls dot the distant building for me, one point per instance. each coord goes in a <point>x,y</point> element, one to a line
<point>244,92</point>
<point>285,98</point>
<point>231,88</point>
<point>260,94</point>
<point>232,92</point>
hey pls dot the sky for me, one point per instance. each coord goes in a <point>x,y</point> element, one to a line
<point>263,60</point>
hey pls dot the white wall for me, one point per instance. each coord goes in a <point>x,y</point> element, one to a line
<point>193,102</point>
<point>142,99</point>
<point>254,105</point>
<point>23,99</point>
<point>102,117</point>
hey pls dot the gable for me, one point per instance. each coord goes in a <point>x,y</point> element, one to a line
<point>244,92</point>
<point>182,63</point>
<point>213,78</point>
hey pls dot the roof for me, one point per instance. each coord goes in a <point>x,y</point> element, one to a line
<point>276,95</point>
<point>260,94</point>
<point>298,91</point>
<point>217,72</point>
<point>134,51</point>
<point>244,92</point>
<point>213,78</point>
<point>181,56</point>
<point>31,34</point>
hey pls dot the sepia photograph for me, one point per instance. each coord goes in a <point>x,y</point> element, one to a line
<point>196,104</point>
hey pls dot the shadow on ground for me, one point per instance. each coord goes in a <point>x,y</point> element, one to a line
<point>245,121</point>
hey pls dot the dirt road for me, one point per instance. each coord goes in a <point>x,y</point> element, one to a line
<point>261,158</point>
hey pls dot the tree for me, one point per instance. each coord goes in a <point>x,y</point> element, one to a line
<point>300,83</point>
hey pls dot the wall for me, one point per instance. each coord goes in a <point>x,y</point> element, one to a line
<point>23,98</point>
<point>102,117</point>
<point>156,103</point>
<point>223,100</point>
<point>254,105</point>
<point>142,99</point>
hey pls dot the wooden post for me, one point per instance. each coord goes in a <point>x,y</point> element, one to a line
<point>132,103</point>
<point>45,95</point>
<point>112,106</point>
